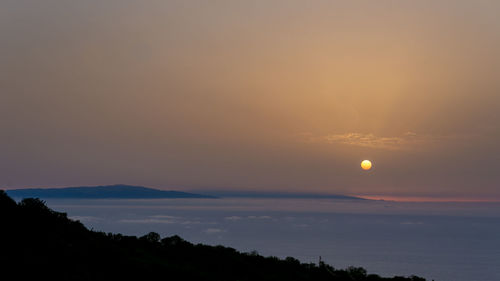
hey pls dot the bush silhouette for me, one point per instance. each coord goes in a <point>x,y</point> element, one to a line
<point>151,237</point>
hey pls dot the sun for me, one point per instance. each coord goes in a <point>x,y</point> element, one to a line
<point>366,165</point>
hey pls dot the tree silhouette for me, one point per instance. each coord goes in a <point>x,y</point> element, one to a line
<point>151,237</point>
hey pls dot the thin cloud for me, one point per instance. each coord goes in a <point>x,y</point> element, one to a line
<point>164,217</point>
<point>259,217</point>
<point>147,221</point>
<point>189,222</point>
<point>233,218</point>
<point>404,141</point>
<point>213,230</point>
<point>85,218</point>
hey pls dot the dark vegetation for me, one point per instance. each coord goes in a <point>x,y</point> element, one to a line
<point>37,243</point>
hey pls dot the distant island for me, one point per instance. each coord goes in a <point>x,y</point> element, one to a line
<point>38,243</point>
<point>101,192</point>
<point>122,191</point>
<point>271,194</point>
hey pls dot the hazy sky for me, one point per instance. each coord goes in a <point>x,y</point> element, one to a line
<point>253,95</point>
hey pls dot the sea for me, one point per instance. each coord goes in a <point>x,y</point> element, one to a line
<point>441,241</point>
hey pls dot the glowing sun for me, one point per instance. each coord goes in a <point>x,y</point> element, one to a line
<point>366,165</point>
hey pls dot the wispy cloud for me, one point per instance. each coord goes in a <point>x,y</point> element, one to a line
<point>251,217</point>
<point>85,218</point>
<point>213,230</point>
<point>405,141</point>
<point>165,219</point>
<point>233,218</point>
<point>147,221</point>
<point>188,222</point>
<point>259,217</point>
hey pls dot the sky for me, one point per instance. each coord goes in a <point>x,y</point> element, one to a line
<point>252,95</point>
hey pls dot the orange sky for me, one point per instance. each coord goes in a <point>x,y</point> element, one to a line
<point>254,95</point>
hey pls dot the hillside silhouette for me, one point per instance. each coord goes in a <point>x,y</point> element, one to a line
<point>37,243</point>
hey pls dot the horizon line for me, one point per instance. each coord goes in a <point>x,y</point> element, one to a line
<point>427,199</point>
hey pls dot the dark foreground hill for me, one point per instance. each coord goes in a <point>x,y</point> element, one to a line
<point>118,191</point>
<point>37,243</point>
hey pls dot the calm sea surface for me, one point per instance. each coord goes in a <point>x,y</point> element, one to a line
<point>440,241</point>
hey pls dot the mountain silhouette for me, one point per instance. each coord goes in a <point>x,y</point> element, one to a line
<point>102,192</point>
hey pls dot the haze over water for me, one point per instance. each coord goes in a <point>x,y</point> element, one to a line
<point>267,96</point>
<point>440,241</point>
